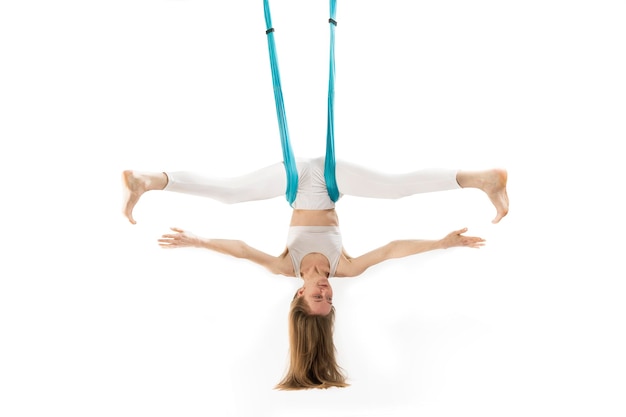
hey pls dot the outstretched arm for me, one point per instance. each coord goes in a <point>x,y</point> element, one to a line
<point>236,248</point>
<point>403,248</point>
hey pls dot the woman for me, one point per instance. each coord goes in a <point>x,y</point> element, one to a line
<point>314,249</point>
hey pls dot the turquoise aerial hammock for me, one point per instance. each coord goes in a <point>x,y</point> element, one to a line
<point>288,157</point>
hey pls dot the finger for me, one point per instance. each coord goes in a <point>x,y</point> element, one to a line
<point>170,236</point>
<point>176,229</point>
<point>460,231</point>
<point>478,242</point>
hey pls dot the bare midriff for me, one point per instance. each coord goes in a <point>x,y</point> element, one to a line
<point>314,218</point>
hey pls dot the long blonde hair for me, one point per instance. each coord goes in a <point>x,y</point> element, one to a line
<point>312,362</point>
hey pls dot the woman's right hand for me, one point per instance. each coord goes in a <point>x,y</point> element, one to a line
<point>180,239</point>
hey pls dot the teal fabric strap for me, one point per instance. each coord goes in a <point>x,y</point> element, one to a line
<point>329,165</point>
<point>288,157</point>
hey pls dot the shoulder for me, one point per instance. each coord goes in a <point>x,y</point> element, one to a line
<point>280,265</point>
<point>283,265</point>
<point>347,268</point>
<point>352,267</point>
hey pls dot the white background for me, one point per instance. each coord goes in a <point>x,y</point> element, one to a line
<point>97,320</point>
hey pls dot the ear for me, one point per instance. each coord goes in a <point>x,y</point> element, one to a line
<point>300,292</point>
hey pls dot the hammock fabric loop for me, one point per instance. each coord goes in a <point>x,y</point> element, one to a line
<point>288,155</point>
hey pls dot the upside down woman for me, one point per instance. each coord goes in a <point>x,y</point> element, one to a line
<point>314,250</point>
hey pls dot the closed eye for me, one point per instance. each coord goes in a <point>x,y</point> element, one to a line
<point>320,298</point>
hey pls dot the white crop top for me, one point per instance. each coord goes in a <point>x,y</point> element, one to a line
<point>303,240</point>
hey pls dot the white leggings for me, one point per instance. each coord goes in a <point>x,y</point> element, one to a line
<point>271,182</point>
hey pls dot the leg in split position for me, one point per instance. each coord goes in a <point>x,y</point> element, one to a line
<point>359,181</point>
<point>352,179</point>
<point>269,182</point>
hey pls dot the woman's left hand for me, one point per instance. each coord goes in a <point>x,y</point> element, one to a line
<point>457,238</point>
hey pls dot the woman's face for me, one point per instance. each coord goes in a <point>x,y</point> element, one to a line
<point>318,295</point>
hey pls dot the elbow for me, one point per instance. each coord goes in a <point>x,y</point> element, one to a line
<point>242,250</point>
<point>394,249</point>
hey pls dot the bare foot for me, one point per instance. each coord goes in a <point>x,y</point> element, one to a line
<point>134,187</point>
<point>137,183</point>
<point>493,183</point>
<point>495,187</point>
